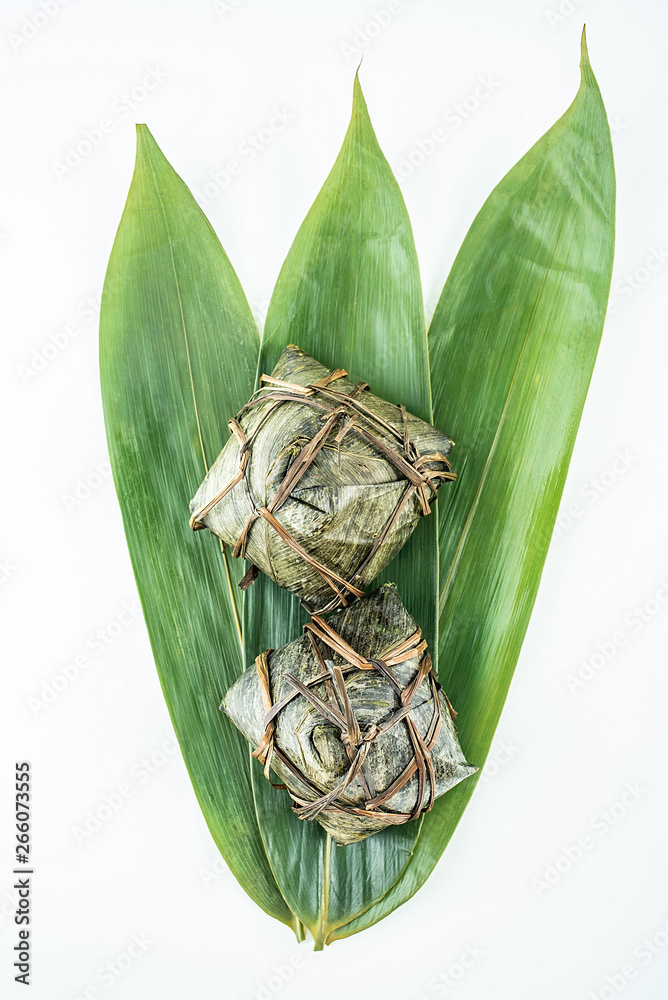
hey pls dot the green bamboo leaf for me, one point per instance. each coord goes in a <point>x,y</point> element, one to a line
<point>512,345</point>
<point>172,307</point>
<point>349,294</point>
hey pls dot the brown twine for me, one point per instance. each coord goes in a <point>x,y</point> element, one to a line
<point>357,742</point>
<point>337,405</point>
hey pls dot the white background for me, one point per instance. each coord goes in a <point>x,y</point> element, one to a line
<point>65,569</point>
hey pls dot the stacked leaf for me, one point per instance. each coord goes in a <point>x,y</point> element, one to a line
<point>512,349</point>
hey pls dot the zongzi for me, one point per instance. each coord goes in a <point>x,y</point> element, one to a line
<point>352,720</point>
<point>321,482</point>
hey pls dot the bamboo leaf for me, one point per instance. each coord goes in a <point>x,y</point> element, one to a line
<point>512,345</point>
<point>512,348</point>
<point>349,294</point>
<point>172,307</point>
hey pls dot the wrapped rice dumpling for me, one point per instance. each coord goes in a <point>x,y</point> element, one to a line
<point>352,720</point>
<point>321,482</point>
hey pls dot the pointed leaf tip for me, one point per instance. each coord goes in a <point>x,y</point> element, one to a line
<point>145,140</point>
<point>359,103</point>
<point>586,72</point>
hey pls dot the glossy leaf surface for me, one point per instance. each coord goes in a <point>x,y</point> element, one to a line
<point>171,307</point>
<point>349,294</point>
<point>512,347</point>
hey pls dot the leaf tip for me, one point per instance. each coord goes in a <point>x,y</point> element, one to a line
<point>586,72</point>
<point>359,104</point>
<point>147,147</point>
<point>143,134</point>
